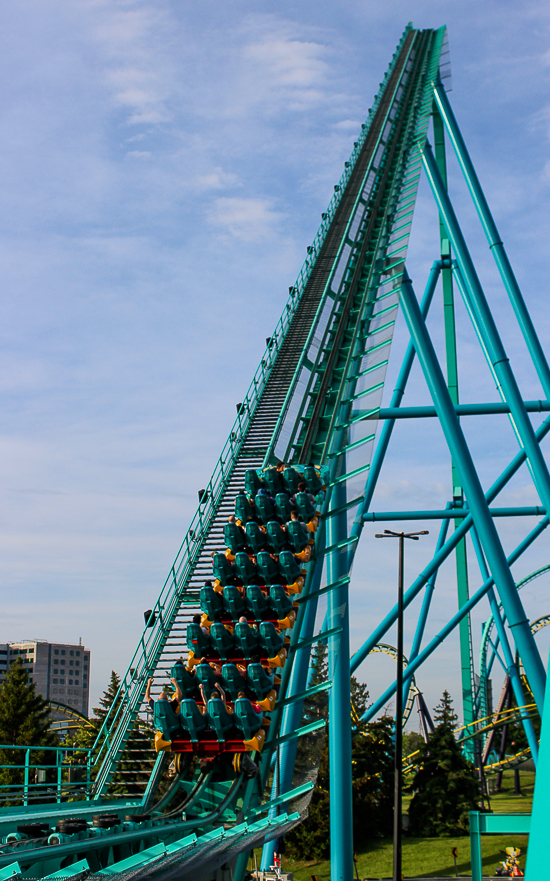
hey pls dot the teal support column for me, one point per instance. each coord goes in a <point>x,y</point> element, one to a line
<point>292,715</point>
<point>397,397</point>
<point>455,620</point>
<point>425,608</point>
<point>495,242</point>
<point>465,627</point>
<point>341,809</point>
<point>486,327</point>
<point>441,555</point>
<point>477,502</point>
<point>511,667</point>
<point>475,847</point>
<point>537,856</point>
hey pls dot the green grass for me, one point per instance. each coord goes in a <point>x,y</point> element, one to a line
<point>431,857</point>
<point>422,858</point>
<point>507,802</point>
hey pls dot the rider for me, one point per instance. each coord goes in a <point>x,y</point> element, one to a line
<point>164,696</point>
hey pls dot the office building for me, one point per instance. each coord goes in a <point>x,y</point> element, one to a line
<point>61,671</point>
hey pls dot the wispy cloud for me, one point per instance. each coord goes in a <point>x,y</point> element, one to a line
<point>163,167</point>
<point>246,219</point>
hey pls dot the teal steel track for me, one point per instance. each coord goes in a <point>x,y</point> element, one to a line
<point>316,397</point>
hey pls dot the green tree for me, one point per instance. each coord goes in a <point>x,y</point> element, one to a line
<point>445,786</point>
<point>412,741</point>
<point>25,720</point>
<point>372,763</point>
<point>372,779</point>
<point>136,763</point>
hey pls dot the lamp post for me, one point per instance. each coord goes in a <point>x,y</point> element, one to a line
<point>397,832</point>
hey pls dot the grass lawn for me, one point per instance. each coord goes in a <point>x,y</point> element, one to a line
<point>422,858</point>
<point>431,857</point>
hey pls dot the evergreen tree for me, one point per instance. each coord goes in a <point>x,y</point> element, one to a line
<point>372,764</point>
<point>135,765</point>
<point>372,754</point>
<point>444,713</point>
<point>445,786</point>
<point>24,719</point>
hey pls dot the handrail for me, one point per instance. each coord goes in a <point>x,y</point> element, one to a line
<point>41,789</point>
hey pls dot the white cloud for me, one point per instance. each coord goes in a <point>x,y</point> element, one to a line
<point>125,259</point>
<point>139,154</point>
<point>246,219</point>
<point>217,179</point>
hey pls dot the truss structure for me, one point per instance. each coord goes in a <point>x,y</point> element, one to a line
<point>316,397</point>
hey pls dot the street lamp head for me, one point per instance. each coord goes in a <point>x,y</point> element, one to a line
<point>388,533</point>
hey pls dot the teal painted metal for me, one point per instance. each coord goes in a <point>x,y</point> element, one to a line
<point>75,871</point>
<point>424,611</point>
<point>460,410</point>
<point>537,858</point>
<point>452,514</point>
<point>329,405</point>
<point>486,327</point>
<point>494,824</point>
<point>32,765</point>
<point>341,809</point>
<point>387,429</point>
<point>476,499</point>
<point>465,627</point>
<point>495,242</point>
<point>484,667</point>
<point>13,870</point>
<point>511,667</point>
<point>455,620</point>
<point>439,557</point>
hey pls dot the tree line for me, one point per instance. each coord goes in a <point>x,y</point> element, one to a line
<point>444,788</point>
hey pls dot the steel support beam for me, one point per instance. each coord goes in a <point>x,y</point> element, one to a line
<point>425,608</point>
<point>466,658</point>
<point>387,429</point>
<point>455,620</point>
<point>493,237</point>
<point>470,481</point>
<point>452,514</point>
<point>341,808</point>
<point>426,412</point>
<point>511,667</point>
<point>486,327</point>
<point>440,556</point>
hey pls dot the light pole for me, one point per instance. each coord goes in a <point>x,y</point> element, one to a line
<point>397,832</point>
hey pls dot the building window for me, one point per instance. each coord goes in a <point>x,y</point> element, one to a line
<point>62,662</point>
<point>56,671</point>
<point>71,663</point>
<point>78,654</point>
<point>55,681</point>
<point>70,681</point>
<point>71,653</point>
<point>55,691</point>
<point>77,664</point>
<point>56,651</point>
<point>62,681</point>
<point>76,682</point>
<point>62,651</point>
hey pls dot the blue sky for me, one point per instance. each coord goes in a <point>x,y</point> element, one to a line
<point>163,167</point>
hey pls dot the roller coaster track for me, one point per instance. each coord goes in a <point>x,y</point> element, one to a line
<point>212,796</point>
<point>335,331</point>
